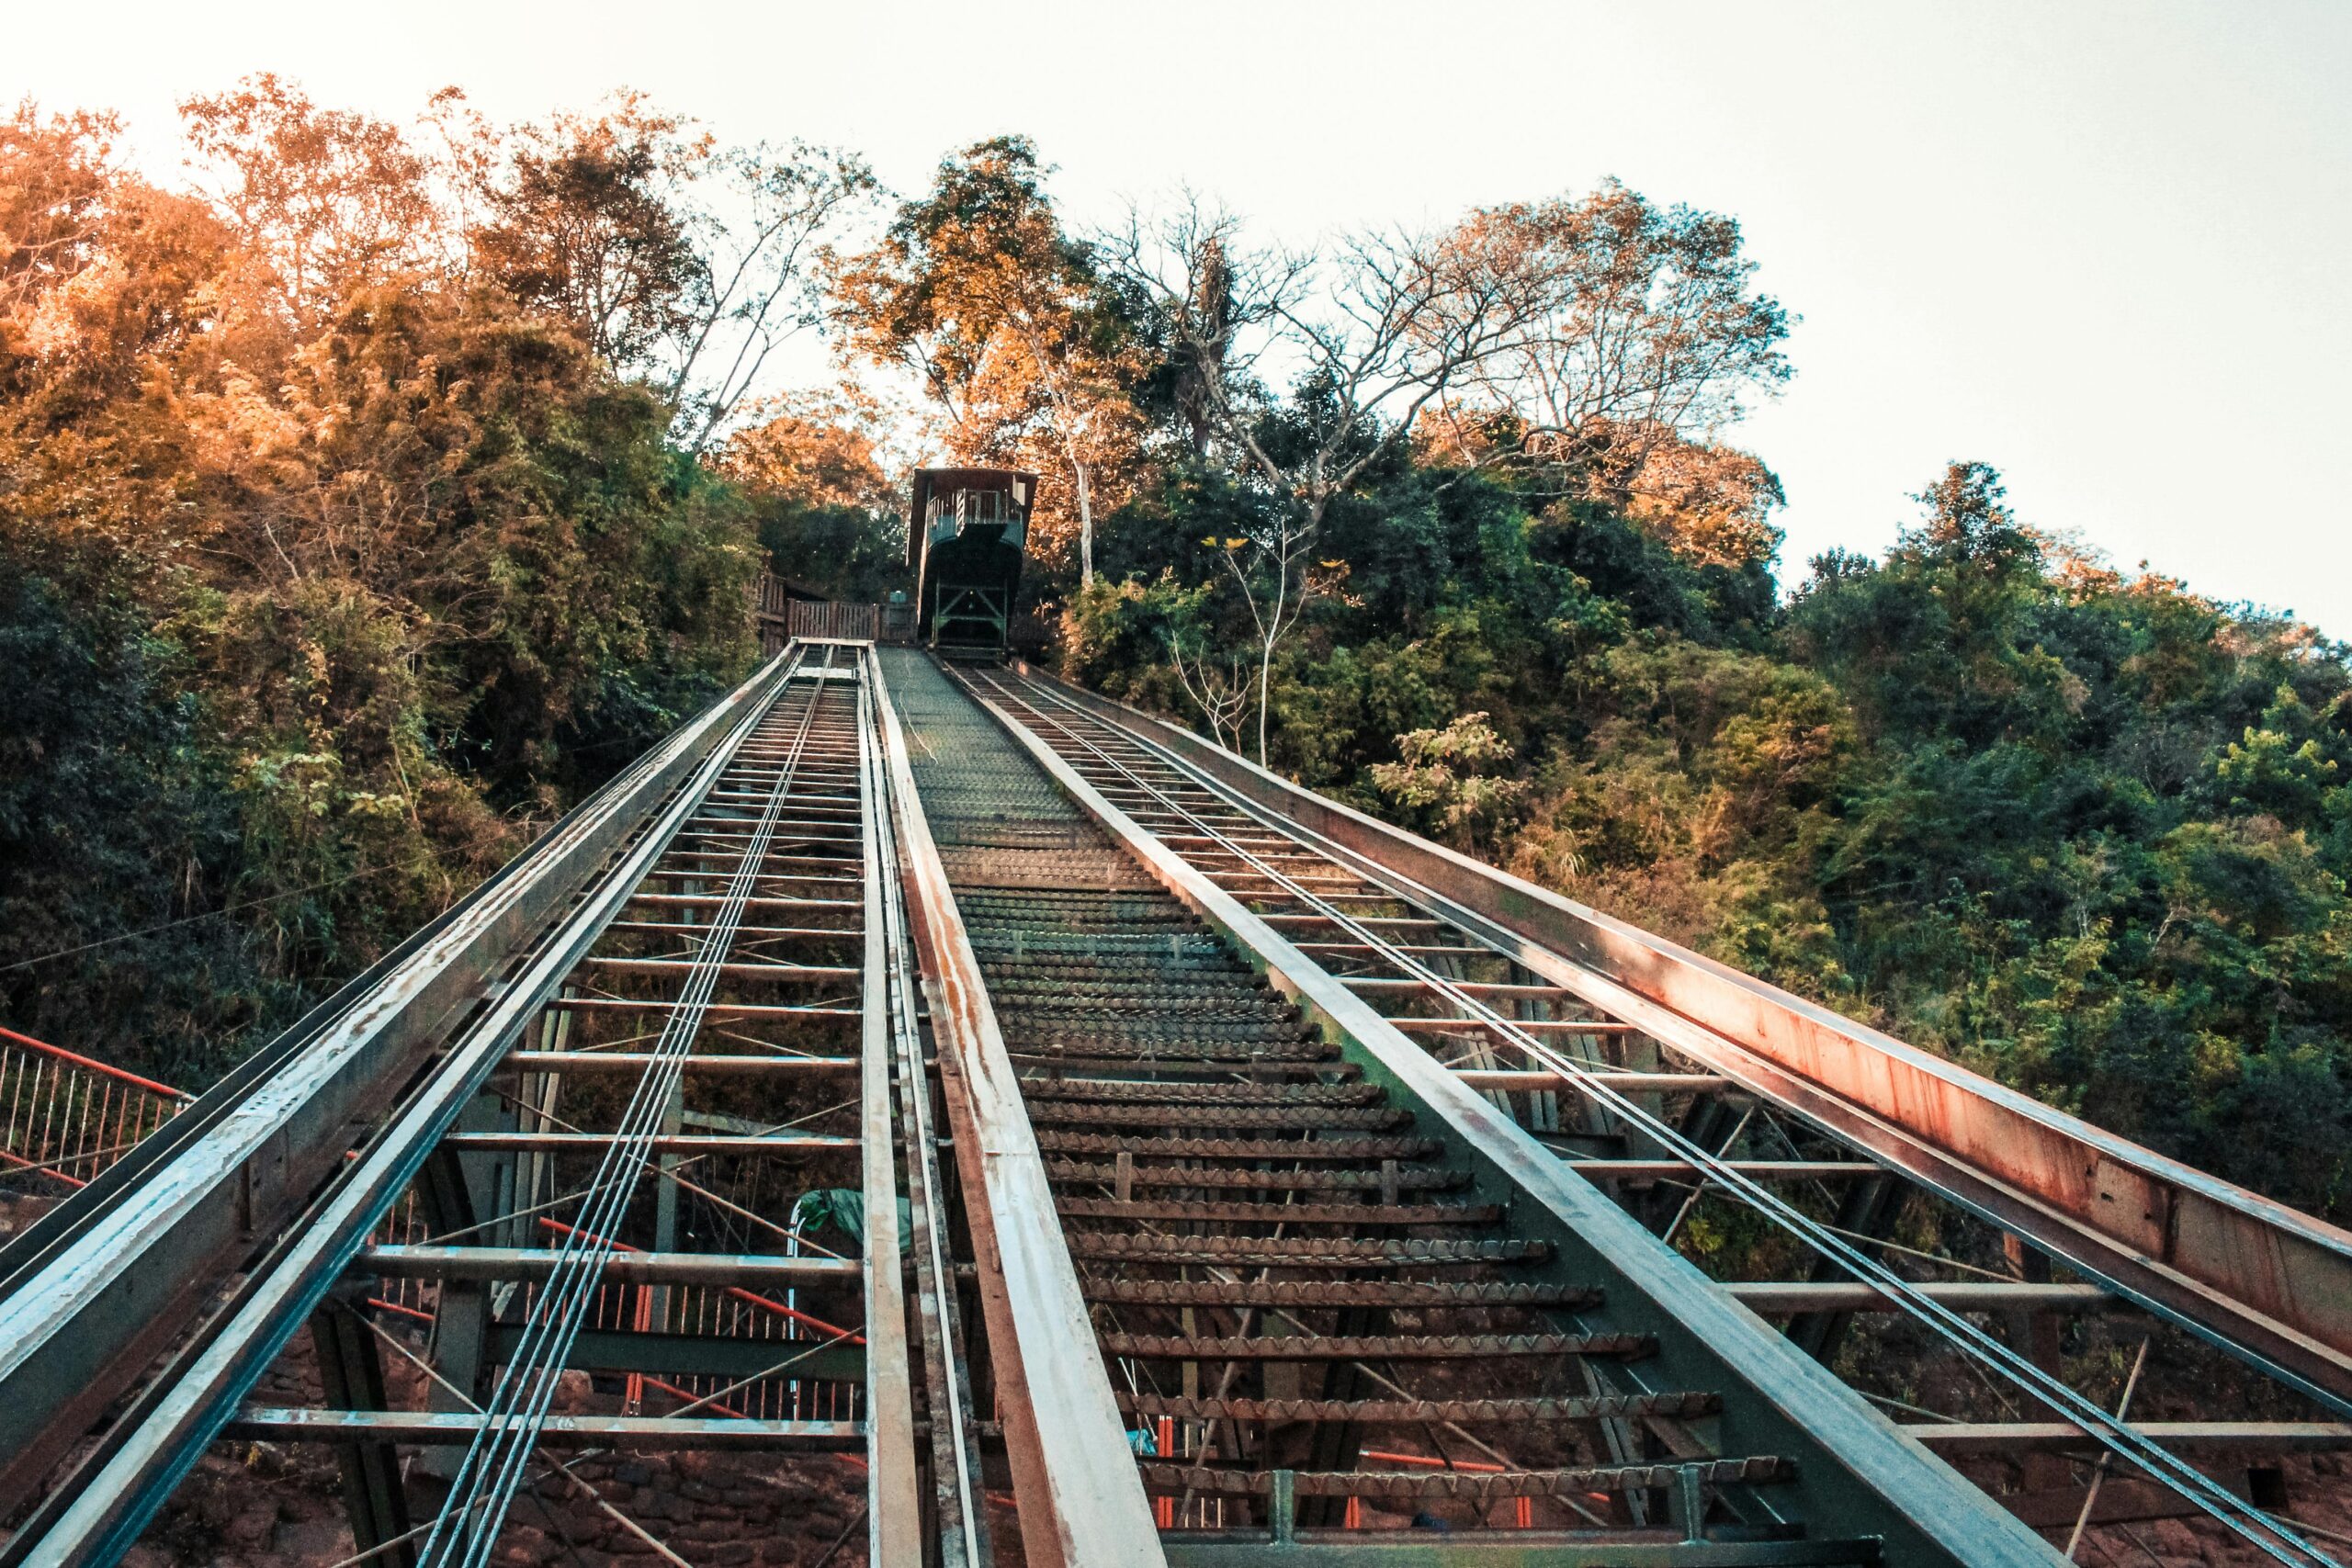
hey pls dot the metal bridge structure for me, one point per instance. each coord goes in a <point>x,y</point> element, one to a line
<point>1107,1152</point>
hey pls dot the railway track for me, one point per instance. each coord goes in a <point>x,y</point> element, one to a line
<point>943,1088</point>
<point>547,1174</point>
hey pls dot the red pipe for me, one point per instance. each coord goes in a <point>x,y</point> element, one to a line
<point>403,1311</point>
<point>692,1398</point>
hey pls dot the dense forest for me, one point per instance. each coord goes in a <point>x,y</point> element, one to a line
<point>364,502</point>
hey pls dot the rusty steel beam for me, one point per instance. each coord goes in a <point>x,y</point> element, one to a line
<point>1082,1502</point>
<point>2255,1276</point>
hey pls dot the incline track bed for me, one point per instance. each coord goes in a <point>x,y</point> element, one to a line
<point>1303,1192</point>
<point>1314,1313</point>
<point>630,1237</point>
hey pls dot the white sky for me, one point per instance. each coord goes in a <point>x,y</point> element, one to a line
<point>2101,246</point>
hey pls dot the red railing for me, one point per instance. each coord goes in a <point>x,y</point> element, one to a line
<point>67,1117</point>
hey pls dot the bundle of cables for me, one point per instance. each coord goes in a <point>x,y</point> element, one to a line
<point>516,1412</point>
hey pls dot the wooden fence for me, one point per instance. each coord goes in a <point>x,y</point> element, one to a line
<point>784,614</point>
<point>824,621</point>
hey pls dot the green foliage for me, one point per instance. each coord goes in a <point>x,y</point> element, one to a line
<point>1445,777</point>
<point>115,817</point>
<point>2089,834</point>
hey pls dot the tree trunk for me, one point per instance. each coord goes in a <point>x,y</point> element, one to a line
<point>1085,525</point>
<point>1265,682</point>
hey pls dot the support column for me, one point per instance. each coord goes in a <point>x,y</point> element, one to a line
<point>351,1371</point>
<point>461,1323</point>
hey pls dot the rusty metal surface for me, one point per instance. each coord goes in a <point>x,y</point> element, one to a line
<point>1338,1293</point>
<point>1413,1485</point>
<point>1403,1177</point>
<point>1614,1407</point>
<point>2253,1273</point>
<point>1369,1347</point>
<point>1299,1251</point>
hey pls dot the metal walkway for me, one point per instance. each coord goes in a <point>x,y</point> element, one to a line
<point>1114,1154</point>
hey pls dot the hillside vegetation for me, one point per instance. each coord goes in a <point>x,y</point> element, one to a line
<point>362,506</point>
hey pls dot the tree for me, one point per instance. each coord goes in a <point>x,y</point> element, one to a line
<point>588,222</point>
<point>977,290</point>
<point>52,204</point>
<point>1376,331</point>
<point>327,199</point>
<point>678,260</point>
<point>826,512</point>
<point>1650,333</point>
<point>1714,505</point>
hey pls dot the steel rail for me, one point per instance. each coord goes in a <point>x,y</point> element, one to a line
<point>2119,1436</point>
<point>964,1538</point>
<point>1889,1485</point>
<point>2256,1527</point>
<point>893,1513</point>
<point>99,1286</point>
<point>146,1453</point>
<point>2266,1531</point>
